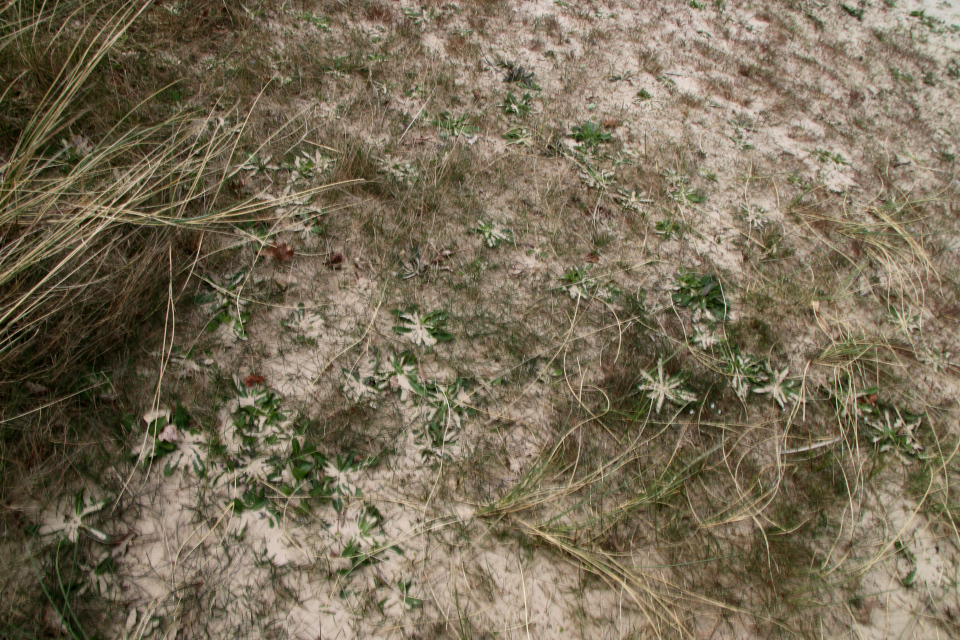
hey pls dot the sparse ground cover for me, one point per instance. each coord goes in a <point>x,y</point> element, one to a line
<point>480,319</point>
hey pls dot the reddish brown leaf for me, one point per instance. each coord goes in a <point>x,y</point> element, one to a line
<point>593,256</point>
<point>252,380</point>
<point>335,261</point>
<point>871,399</point>
<point>282,252</point>
<point>610,123</point>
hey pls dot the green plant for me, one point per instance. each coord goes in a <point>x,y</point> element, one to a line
<point>579,283</point>
<point>660,387</point>
<point>518,74</point>
<point>703,293</point>
<point>746,372</point>
<point>856,12</point>
<point>668,228</point>
<point>519,107</point>
<point>779,387</point>
<point>453,126</point>
<point>422,329</point>
<point>493,234</point>
<point>590,134</point>
<point>823,155</point>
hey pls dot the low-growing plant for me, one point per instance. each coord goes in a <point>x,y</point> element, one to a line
<point>661,387</point>
<point>590,134</point>
<point>518,74</point>
<point>422,329</point>
<point>494,234</point>
<point>703,293</point>
<point>514,106</point>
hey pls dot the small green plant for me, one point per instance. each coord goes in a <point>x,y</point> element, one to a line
<point>514,106</point>
<point>931,22</point>
<point>643,94</point>
<point>660,387</point>
<point>493,234</point>
<point>168,435</point>
<point>519,136</point>
<point>823,156</point>
<point>701,292</point>
<point>623,76</point>
<point>590,134</point>
<point>578,283</point>
<point>399,171</point>
<point>420,15</point>
<point>904,320</point>
<point>706,335</point>
<point>684,195</point>
<point>668,228</point>
<point>856,12</point>
<point>633,199</point>
<point>902,76</point>
<point>453,126</point>
<point>746,372</point>
<point>318,21</point>
<point>67,521</point>
<point>227,306</point>
<point>518,74</point>
<point>779,387</point>
<point>597,178</point>
<point>422,329</point>
<point>754,216</point>
<point>257,165</point>
<point>893,429</point>
<point>306,165</point>
<point>953,69</point>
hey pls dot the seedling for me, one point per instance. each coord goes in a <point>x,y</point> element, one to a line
<point>520,136</point>
<point>493,234</point>
<point>754,216</point>
<point>661,387</point>
<point>667,228</point>
<point>226,306</point>
<point>578,283</point>
<point>401,172</point>
<point>643,95</point>
<point>597,178</point>
<point>516,73</point>
<point>421,329</point>
<point>823,155</point>
<point>745,372</point>
<point>894,430</point>
<point>590,134</point>
<point>633,199</point>
<point>706,336</point>
<point>856,12</point>
<point>420,15</point>
<point>683,196</point>
<point>782,389</point>
<point>453,126</point>
<point>513,106</point>
<point>701,292</point>
<point>68,523</point>
<point>905,321</point>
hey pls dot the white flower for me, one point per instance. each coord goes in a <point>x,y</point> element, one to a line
<point>665,387</point>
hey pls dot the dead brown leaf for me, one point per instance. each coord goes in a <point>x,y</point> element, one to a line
<point>252,380</point>
<point>281,252</point>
